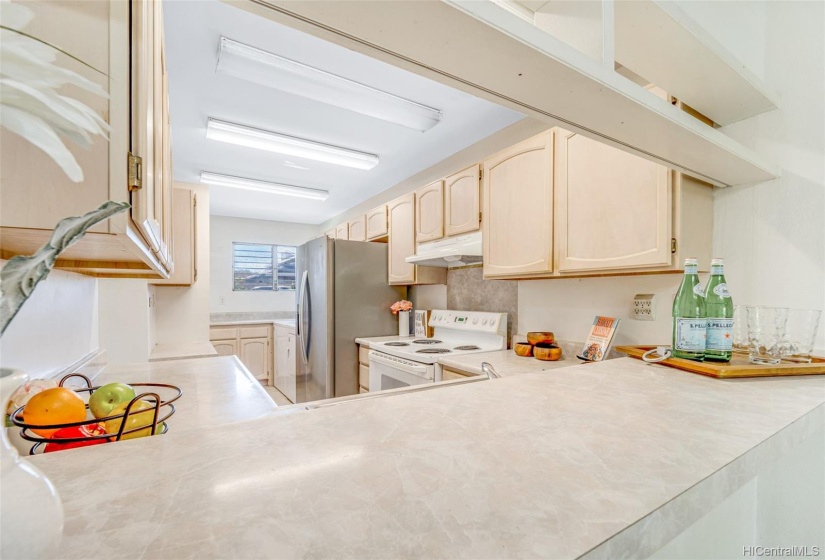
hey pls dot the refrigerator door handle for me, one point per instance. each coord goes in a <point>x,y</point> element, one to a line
<point>304,314</point>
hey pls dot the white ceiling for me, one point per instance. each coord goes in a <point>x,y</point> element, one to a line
<point>193,30</point>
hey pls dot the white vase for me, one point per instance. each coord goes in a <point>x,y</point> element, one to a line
<point>30,508</point>
<point>403,323</point>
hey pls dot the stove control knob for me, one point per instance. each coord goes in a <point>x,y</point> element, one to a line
<point>475,321</point>
<point>484,322</point>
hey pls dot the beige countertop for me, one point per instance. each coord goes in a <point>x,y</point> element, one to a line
<point>179,351</point>
<point>216,391</point>
<point>537,464</point>
<point>289,323</point>
<point>505,362</point>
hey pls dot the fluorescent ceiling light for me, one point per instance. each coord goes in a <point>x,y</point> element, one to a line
<point>289,145</point>
<point>262,186</point>
<point>265,68</point>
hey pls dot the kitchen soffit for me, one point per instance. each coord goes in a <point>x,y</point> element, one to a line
<point>198,93</point>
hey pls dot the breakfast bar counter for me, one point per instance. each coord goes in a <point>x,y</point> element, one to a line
<point>608,460</point>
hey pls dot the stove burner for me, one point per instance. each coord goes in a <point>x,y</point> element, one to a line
<point>426,341</point>
<point>396,344</point>
<point>467,347</point>
<point>434,351</point>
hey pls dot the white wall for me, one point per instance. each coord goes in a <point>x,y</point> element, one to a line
<point>55,328</point>
<point>181,312</point>
<point>567,306</point>
<point>125,319</point>
<point>772,234</point>
<point>225,231</point>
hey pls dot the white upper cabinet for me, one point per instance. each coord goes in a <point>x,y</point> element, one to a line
<point>429,212</point>
<point>462,208</point>
<point>401,212</point>
<point>377,223</point>
<point>518,201</point>
<point>342,231</point>
<point>358,229</point>
<point>613,209</point>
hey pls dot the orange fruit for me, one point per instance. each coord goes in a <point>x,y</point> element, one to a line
<point>57,405</point>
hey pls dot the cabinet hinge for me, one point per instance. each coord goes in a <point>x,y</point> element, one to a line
<point>195,277</point>
<point>135,172</point>
<point>479,217</point>
<point>480,173</point>
<point>673,245</point>
<point>134,166</point>
<point>194,200</point>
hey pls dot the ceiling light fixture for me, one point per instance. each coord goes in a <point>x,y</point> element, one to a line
<point>262,67</point>
<point>261,186</point>
<point>288,145</point>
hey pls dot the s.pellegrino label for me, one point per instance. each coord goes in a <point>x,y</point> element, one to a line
<point>719,335</point>
<point>690,335</point>
<point>719,309</point>
<point>689,316</point>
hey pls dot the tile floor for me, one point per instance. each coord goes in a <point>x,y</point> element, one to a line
<point>277,396</point>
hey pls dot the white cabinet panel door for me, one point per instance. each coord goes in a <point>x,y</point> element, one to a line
<point>255,356</point>
<point>613,209</point>
<point>518,206</point>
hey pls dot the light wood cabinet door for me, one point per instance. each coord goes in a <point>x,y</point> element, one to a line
<point>517,189</point>
<point>255,356</point>
<point>185,236</point>
<point>342,231</point>
<point>358,229</point>
<point>429,212</point>
<point>331,234</point>
<point>377,223</point>
<point>226,347</point>
<point>401,212</point>
<point>613,209</point>
<point>121,40</point>
<point>462,207</point>
<point>151,203</point>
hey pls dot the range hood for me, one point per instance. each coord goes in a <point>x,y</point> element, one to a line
<point>455,251</point>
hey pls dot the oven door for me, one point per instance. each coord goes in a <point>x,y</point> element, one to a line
<point>389,372</point>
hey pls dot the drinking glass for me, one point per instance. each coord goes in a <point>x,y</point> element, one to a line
<point>766,334</point>
<point>740,329</point>
<point>800,334</point>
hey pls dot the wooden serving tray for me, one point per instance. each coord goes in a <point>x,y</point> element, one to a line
<point>737,367</point>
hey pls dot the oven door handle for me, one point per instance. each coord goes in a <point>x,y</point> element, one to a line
<point>407,367</point>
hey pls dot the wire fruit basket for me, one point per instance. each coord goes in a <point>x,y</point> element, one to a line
<point>161,410</point>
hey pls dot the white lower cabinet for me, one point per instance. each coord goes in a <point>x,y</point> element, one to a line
<point>285,371</point>
<point>251,343</point>
<point>363,369</point>
<point>255,356</point>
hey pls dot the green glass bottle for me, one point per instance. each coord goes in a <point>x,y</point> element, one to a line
<point>719,309</point>
<point>689,318</point>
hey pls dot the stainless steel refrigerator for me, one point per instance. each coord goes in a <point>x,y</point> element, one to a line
<point>342,295</point>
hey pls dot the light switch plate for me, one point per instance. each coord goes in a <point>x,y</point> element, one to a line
<point>644,307</point>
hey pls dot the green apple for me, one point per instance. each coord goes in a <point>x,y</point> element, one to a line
<point>104,400</point>
<point>136,419</point>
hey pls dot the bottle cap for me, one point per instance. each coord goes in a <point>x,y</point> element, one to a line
<point>691,261</point>
<point>716,262</point>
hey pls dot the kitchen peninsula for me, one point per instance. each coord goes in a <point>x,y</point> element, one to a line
<point>614,459</point>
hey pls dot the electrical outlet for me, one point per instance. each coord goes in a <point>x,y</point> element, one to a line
<point>644,307</point>
<point>221,300</point>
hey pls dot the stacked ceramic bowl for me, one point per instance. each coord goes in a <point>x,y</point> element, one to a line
<point>540,345</point>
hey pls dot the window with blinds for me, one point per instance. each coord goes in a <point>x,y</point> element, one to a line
<point>263,267</point>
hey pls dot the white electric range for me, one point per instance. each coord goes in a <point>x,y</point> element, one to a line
<point>408,362</point>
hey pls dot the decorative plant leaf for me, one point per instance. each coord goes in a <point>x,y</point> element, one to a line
<point>21,274</point>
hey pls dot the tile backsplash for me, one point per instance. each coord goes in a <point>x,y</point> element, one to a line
<point>467,290</point>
